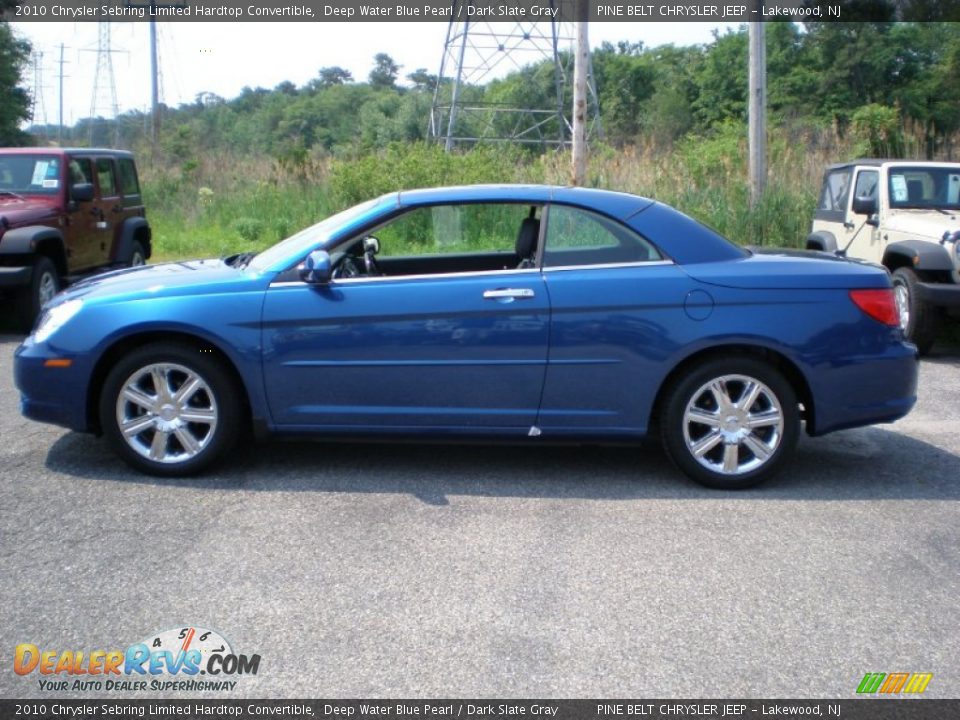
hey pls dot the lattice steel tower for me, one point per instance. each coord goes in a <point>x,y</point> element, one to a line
<point>104,84</point>
<point>476,52</point>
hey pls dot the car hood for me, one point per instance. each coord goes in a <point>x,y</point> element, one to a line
<point>923,223</point>
<point>194,277</point>
<point>790,269</point>
<point>17,212</point>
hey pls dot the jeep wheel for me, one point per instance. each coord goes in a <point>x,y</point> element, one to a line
<point>919,321</point>
<point>138,256</point>
<point>44,283</point>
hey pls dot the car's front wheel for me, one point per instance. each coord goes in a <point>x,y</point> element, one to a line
<point>170,409</point>
<point>919,321</point>
<point>730,423</point>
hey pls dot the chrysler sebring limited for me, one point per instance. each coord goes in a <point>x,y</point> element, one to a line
<point>511,313</point>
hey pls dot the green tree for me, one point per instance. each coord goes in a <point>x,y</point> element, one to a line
<point>15,105</point>
<point>722,80</point>
<point>330,76</point>
<point>385,71</point>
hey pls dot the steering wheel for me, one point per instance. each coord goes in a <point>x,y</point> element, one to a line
<point>347,268</point>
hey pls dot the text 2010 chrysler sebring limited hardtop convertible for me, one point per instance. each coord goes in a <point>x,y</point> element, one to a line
<point>500,312</point>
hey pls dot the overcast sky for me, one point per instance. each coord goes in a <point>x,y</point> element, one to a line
<point>224,57</point>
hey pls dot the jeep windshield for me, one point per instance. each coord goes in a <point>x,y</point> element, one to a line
<point>29,174</point>
<point>925,188</point>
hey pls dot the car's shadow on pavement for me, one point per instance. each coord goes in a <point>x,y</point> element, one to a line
<point>864,464</point>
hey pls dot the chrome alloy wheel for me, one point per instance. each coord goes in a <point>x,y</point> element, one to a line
<point>901,294</point>
<point>46,288</point>
<point>733,424</point>
<point>166,412</point>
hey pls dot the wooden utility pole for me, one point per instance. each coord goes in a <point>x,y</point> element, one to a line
<point>60,120</point>
<point>154,83</point>
<point>578,171</point>
<point>757,112</point>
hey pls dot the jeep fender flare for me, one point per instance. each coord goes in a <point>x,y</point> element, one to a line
<point>822,240</point>
<point>36,240</point>
<point>128,234</point>
<point>917,254</point>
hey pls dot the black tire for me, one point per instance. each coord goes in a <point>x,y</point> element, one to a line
<point>178,363</point>
<point>922,322</point>
<point>138,255</point>
<point>776,399</point>
<point>31,298</point>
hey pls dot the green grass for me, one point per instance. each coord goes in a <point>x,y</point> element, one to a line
<point>219,205</point>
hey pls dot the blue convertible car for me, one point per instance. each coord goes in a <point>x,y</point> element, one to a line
<point>501,312</point>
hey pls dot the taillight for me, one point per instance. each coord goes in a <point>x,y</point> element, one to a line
<point>878,304</point>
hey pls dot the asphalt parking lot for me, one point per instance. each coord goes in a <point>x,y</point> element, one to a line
<point>438,571</point>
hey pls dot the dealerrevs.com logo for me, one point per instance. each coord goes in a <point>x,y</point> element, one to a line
<point>169,660</point>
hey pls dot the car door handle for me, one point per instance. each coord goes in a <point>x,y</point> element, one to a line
<point>508,294</point>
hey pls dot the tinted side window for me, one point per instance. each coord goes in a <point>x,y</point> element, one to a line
<point>866,185</point>
<point>128,177</point>
<point>106,177</point>
<point>81,171</point>
<point>579,237</point>
<point>836,189</point>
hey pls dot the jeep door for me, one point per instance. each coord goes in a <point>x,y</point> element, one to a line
<point>81,228</point>
<point>111,210</point>
<point>864,240</point>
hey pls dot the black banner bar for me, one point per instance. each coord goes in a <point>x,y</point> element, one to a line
<point>480,10</point>
<point>854,709</point>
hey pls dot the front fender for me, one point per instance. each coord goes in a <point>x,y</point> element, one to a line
<point>918,254</point>
<point>26,240</point>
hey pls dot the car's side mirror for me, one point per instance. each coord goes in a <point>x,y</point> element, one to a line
<point>316,269</point>
<point>371,245</point>
<point>81,192</point>
<point>865,205</point>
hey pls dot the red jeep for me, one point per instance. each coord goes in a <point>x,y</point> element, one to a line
<point>65,212</point>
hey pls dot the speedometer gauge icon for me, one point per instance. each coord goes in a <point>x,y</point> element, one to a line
<point>184,639</point>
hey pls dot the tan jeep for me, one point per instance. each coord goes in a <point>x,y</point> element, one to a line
<point>904,215</point>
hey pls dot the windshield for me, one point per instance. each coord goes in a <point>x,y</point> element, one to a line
<point>29,174</point>
<point>925,187</point>
<point>285,252</point>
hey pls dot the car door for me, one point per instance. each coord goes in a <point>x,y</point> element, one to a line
<point>617,310</point>
<point>409,350</point>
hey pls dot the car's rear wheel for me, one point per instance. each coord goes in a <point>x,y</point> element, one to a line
<point>44,284</point>
<point>170,409</point>
<point>730,423</point>
<point>919,321</point>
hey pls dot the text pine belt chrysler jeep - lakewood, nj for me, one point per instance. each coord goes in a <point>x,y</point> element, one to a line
<point>64,213</point>
<point>904,215</point>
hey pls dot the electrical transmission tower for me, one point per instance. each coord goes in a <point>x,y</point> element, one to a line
<point>476,52</point>
<point>104,85</point>
<point>38,107</point>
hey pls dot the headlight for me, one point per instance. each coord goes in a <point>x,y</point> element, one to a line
<point>55,318</point>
